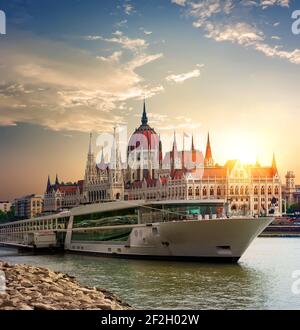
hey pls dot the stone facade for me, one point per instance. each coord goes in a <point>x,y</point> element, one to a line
<point>60,196</point>
<point>181,175</point>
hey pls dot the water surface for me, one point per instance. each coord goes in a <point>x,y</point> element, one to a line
<point>261,280</point>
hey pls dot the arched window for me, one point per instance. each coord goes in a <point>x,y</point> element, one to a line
<point>269,190</point>
<point>219,193</point>
<point>255,190</point>
<point>242,190</point>
<point>204,191</point>
<point>247,190</point>
<point>190,191</point>
<point>197,191</point>
<point>231,191</point>
<point>212,192</point>
<point>236,190</point>
<point>276,190</point>
<point>262,190</point>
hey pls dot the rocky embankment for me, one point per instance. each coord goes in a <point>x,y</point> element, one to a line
<point>32,288</point>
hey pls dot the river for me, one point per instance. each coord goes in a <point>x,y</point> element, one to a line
<point>261,280</point>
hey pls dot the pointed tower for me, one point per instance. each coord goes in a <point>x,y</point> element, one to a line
<point>174,155</point>
<point>208,161</point>
<point>257,163</point>
<point>90,169</point>
<point>48,185</point>
<point>144,116</point>
<point>274,165</point>
<point>115,173</point>
<point>160,153</point>
<point>56,180</point>
<point>193,150</point>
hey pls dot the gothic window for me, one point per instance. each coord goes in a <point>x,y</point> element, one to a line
<point>236,190</point>
<point>269,190</point>
<point>231,191</point>
<point>276,190</point>
<point>204,191</point>
<point>219,192</point>
<point>197,191</point>
<point>212,192</point>
<point>262,190</point>
<point>190,191</point>
<point>247,190</point>
<point>255,190</point>
<point>242,190</point>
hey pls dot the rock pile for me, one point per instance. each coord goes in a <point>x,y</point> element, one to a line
<point>32,288</point>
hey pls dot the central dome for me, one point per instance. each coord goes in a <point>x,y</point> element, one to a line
<point>144,137</point>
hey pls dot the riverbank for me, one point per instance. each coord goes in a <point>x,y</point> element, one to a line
<point>35,288</point>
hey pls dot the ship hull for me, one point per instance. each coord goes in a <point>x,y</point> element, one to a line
<point>207,240</point>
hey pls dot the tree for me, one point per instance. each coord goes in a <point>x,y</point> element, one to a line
<point>294,208</point>
<point>7,217</point>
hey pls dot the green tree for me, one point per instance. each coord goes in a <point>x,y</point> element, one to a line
<point>294,208</point>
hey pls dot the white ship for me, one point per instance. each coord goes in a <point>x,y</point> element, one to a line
<point>173,230</point>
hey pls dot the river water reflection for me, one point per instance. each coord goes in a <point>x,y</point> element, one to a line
<point>261,280</point>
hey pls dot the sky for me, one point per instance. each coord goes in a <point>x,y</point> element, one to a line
<point>70,67</point>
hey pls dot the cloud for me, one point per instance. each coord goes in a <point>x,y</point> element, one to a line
<point>212,16</point>
<point>240,33</point>
<point>268,3</point>
<point>276,51</point>
<point>115,57</point>
<point>180,78</point>
<point>143,59</point>
<point>126,42</point>
<point>179,2</point>
<point>203,10</point>
<point>128,8</point>
<point>62,88</point>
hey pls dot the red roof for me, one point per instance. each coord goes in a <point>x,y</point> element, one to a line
<point>68,189</point>
<point>263,172</point>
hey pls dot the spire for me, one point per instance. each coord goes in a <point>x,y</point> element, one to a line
<point>274,164</point>
<point>208,154</point>
<point>257,163</point>
<point>144,117</point>
<point>174,142</point>
<point>56,180</point>
<point>48,184</point>
<point>90,144</point>
<point>193,150</point>
<point>193,146</point>
<point>160,152</point>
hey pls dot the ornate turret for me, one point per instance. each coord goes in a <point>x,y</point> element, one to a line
<point>48,184</point>
<point>208,161</point>
<point>144,116</point>
<point>56,180</point>
<point>274,164</point>
<point>194,156</point>
<point>90,170</point>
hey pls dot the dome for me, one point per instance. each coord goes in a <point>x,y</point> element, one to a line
<point>144,137</point>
